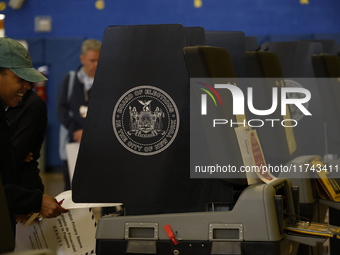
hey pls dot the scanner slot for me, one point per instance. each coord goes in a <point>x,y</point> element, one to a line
<point>141,231</point>
<point>225,232</point>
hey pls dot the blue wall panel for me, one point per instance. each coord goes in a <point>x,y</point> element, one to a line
<point>254,17</point>
<point>62,55</point>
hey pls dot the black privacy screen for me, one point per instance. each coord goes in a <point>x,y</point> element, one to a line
<point>135,146</point>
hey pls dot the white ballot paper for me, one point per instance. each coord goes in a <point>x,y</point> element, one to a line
<point>71,233</point>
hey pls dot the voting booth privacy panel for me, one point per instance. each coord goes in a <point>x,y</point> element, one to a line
<point>194,36</point>
<point>266,68</point>
<point>212,63</point>
<point>115,163</point>
<point>296,62</point>
<point>297,59</point>
<point>327,66</point>
<point>280,146</point>
<point>235,43</point>
<point>135,146</point>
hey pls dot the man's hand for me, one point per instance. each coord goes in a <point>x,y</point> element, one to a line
<point>50,207</point>
<point>77,135</point>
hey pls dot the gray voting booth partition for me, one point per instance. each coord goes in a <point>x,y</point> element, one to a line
<point>266,69</point>
<point>296,62</point>
<point>142,74</point>
<point>194,36</point>
<point>296,57</point>
<point>235,43</point>
<point>328,46</point>
<point>268,64</point>
<point>251,43</point>
<point>328,66</point>
<point>215,65</point>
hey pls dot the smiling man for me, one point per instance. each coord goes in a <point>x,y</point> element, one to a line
<point>16,76</point>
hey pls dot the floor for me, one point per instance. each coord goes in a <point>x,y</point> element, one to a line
<point>54,183</point>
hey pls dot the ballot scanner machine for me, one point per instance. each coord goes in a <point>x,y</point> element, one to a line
<point>254,226</point>
<point>164,207</point>
<point>291,54</point>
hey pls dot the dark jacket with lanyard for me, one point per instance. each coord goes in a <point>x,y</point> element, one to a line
<point>19,199</point>
<point>68,109</point>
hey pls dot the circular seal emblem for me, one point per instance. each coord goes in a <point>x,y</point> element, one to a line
<point>145,120</point>
<point>296,113</point>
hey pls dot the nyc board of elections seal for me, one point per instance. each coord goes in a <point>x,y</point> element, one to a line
<point>145,120</point>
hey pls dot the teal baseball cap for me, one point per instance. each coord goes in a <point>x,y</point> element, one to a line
<point>15,57</point>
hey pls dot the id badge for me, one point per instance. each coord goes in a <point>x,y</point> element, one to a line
<point>83,111</point>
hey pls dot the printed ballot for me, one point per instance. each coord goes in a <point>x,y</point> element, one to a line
<point>242,135</point>
<point>71,233</point>
<point>252,156</point>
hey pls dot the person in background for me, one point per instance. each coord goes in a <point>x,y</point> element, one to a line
<point>16,76</point>
<point>73,98</point>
